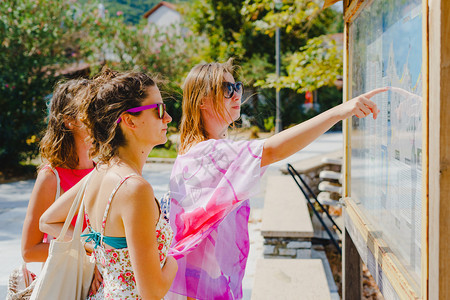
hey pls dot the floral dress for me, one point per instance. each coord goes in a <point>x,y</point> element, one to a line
<point>115,264</point>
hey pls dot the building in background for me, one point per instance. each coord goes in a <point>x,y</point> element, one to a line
<point>163,14</point>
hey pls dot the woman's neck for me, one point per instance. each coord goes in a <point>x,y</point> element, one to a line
<point>82,149</point>
<point>134,159</point>
<point>217,132</point>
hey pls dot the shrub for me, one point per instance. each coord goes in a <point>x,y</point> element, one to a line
<point>254,130</point>
<point>269,123</point>
<point>35,43</point>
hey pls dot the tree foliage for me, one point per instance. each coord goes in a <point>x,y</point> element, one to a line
<point>220,23</point>
<point>41,37</point>
<point>245,30</point>
<point>317,64</point>
<point>313,60</point>
<point>36,39</point>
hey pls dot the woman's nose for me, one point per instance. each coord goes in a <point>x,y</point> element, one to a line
<point>236,96</point>
<point>167,118</point>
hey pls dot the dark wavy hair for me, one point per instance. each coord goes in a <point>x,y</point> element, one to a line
<point>57,147</point>
<point>110,94</point>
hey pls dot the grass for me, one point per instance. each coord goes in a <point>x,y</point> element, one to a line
<point>163,153</point>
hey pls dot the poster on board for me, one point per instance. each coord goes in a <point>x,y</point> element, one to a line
<point>385,49</point>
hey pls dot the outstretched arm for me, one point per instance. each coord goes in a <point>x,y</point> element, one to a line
<point>292,140</point>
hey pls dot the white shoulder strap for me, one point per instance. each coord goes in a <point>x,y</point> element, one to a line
<point>58,183</point>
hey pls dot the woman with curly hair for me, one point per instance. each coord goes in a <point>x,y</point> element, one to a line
<point>66,161</point>
<point>126,118</point>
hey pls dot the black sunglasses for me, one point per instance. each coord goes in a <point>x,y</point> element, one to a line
<point>229,89</point>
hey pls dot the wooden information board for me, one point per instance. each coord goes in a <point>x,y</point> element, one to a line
<point>397,177</point>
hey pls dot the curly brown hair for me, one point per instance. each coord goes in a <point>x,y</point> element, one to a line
<point>110,95</point>
<point>57,147</point>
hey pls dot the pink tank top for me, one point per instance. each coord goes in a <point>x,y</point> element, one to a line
<point>68,178</point>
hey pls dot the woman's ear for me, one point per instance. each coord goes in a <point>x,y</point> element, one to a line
<point>68,123</point>
<point>203,103</point>
<point>127,120</point>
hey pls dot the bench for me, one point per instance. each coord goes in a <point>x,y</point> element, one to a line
<point>286,225</point>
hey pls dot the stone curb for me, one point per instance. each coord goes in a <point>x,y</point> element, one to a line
<point>160,160</point>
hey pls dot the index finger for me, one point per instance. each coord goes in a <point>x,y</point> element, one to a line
<point>376,91</point>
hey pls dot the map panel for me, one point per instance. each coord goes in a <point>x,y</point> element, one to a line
<point>385,49</point>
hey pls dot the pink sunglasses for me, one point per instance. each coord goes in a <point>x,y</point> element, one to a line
<point>161,110</point>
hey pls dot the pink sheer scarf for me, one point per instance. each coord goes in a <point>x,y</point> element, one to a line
<point>210,187</point>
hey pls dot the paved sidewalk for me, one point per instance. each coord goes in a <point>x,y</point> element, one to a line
<point>14,200</point>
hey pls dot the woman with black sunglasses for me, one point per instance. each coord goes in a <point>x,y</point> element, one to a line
<point>213,178</point>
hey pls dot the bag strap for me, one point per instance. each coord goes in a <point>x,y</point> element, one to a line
<point>78,199</point>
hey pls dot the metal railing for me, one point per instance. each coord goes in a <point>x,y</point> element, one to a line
<point>295,175</point>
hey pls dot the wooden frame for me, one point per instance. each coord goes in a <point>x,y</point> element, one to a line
<point>435,261</point>
<point>439,150</point>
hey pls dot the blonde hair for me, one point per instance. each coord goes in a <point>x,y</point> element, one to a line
<point>57,147</point>
<point>204,80</point>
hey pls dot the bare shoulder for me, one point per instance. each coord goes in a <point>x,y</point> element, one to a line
<point>137,184</point>
<point>136,201</point>
<point>44,190</point>
<point>136,189</point>
<point>46,178</point>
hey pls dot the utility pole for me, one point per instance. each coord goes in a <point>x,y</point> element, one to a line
<point>278,127</point>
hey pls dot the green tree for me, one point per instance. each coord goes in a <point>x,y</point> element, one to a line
<point>36,41</point>
<point>220,23</point>
<point>317,64</point>
<point>39,38</point>
<point>168,52</point>
<point>313,60</point>
<point>245,30</point>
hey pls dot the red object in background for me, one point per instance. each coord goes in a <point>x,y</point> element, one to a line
<point>308,97</point>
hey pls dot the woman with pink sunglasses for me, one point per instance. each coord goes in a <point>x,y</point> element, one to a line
<point>128,228</point>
